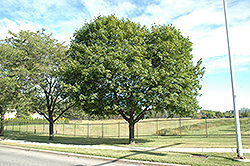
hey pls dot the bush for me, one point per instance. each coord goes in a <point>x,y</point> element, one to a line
<point>62,120</point>
<point>29,120</point>
<point>23,121</point>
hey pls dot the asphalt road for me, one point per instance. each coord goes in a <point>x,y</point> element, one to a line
<point>20,157</point>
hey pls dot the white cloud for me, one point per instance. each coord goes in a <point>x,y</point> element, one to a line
<point>210,44</point>
<point>205,27</point>
<point>164,12</point>
<point>63,37</point>
<point>238,11</point>
<point>9,25</point>
<point>239,39</point>
<point>6,25</point>
<point>222,100</point>
<point>96,7</point>
<point>61,17</point>
<point>216,101</point>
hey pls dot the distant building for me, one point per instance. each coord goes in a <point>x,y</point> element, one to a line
<point>12,114</point>
<point>9,115</point>
<point>36,116</point>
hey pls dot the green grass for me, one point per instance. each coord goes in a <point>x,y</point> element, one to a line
<point>197,127</point>
<point>216,127</point>
<point>165,157</point>
<point>150,141</point>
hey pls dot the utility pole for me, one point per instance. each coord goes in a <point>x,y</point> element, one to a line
<point>236,112</point>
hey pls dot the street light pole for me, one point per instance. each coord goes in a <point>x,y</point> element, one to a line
<point>236,112</point>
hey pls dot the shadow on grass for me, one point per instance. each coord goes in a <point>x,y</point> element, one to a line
<point>215,156</point>
<point>78,140</point>
<point>135,153</point>
<point>144,152</point>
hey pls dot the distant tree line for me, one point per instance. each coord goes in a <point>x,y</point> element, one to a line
<point>243,112</point>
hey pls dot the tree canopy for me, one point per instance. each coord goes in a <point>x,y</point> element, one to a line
<point>36,57</point>
<point>120,67</point>
<point>8,84</point>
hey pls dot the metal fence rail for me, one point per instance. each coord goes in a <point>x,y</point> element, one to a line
<point>152,127</point>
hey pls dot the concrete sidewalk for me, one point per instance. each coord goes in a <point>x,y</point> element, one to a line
<point>219,150</point>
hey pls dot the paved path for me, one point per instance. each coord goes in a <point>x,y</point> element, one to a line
<point>132,148</point>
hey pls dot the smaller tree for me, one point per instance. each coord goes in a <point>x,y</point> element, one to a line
<point>218,114</point>
<point>36,57</point>
<point>207,113</point>
<point>245,114</point>
<point>8,85</point>
<point>229,114</point>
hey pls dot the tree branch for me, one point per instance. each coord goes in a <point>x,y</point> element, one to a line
<point>41,113</point>
<point>139,117</point>
<point>124,116</point>
<point>44,89</point>
<point>63,112</point>
<point>48,101</point>
<point>54,103</point>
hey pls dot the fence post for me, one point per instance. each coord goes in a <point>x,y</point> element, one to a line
<point>6,125</point>
<point>119,130</point>
<point>75,130</point>
<point>34,126</point>
<point>55,128</point>
<point>63,128</point>
<point>137,128</point>
<point>206,127</point>
<point>27,127</point>
<point>180,128</point>
<point>43,127</point>
<point>102,130</point>
<point>88,130</point>
<point>157,127</point>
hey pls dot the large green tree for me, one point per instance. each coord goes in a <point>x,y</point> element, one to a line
<point>36,57</point>
<point>121,67</point>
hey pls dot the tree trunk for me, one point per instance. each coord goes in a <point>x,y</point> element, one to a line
<point>131,133</point>
<point>51,125</point>
<point>132,121</point>
<point>2,124</point>
<point>51,130</point>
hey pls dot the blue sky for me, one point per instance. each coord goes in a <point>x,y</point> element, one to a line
<point>202,21</point>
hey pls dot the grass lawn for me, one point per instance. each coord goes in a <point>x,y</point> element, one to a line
<point>149,141</point>
<point>152,141</point>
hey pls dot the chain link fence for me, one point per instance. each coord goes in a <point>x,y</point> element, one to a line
<point>149,127</point>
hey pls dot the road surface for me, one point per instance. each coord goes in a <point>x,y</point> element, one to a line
<point>21,157</point>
